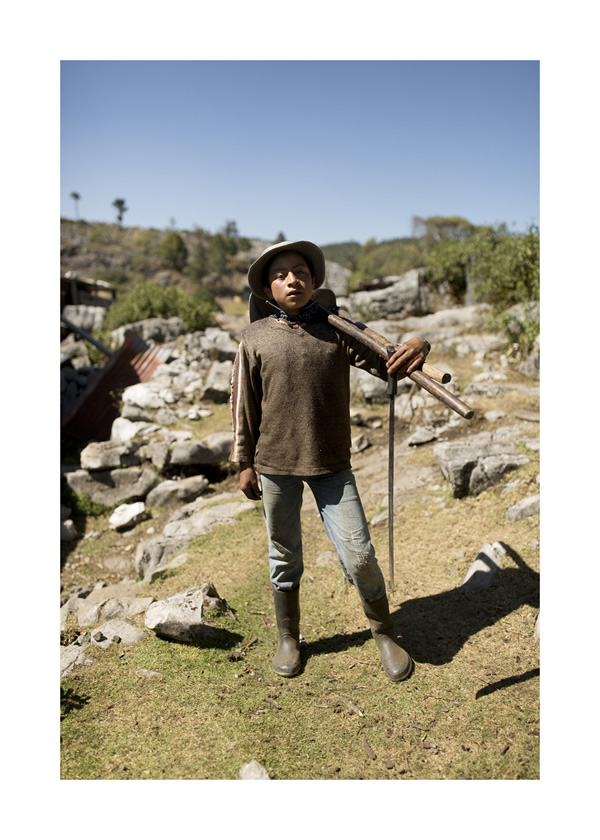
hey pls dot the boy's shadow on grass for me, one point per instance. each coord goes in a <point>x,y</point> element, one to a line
<point>434,628</point>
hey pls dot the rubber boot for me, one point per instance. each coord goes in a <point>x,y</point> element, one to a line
<point>396,662</point>
<point>286,661</point>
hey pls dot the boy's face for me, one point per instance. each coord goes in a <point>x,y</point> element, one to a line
<point>291,283</point>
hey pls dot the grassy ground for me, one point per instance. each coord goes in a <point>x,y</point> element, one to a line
<point>161,710</point>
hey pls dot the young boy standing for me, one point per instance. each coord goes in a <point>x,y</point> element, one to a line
<point>291,423</point>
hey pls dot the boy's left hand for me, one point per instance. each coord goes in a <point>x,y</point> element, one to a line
<point>408,357</point>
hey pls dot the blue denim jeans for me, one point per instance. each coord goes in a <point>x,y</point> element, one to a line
<point>345,524</point>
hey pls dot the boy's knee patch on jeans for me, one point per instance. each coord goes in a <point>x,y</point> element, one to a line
<point>363,560</point>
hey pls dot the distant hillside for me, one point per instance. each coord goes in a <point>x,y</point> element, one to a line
<point>491,262</point>
<point>127,256</point>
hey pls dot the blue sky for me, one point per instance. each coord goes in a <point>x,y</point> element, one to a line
<point>322,150</point>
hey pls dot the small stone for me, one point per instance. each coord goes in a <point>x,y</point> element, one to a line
<point>252,771</point>
<point>524,509</point>
<point>422,435</point>
<point>127,515</point>
<point>359,444</point>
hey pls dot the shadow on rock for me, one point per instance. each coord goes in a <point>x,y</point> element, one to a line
<point>433,629</point>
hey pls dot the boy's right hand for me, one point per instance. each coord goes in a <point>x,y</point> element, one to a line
<point>249,482</point>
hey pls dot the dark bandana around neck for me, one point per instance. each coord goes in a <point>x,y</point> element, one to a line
<point>311,312</point>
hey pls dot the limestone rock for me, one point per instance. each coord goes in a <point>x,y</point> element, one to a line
<point>336,278</point>
<point>218,382</point>
<point>104,455</point>
<point>524,509</point>
<point>125,428</point>
<point>144,395</point>
<point>482,572</point>
<point>157,451</point>
<point>151,329</point>
<point>117,631</point>
<point>253,771</point>
<point>181,617</point>
<point>93,613</point>
<point>152,555</point>
<point>403,295</point>
<point>359,444</point>
<point>211,450</point>
<point>173,493</point>
<point>471,465</point>
<point>218,344</point>
<point>422,435</point>
<point>166,417</point>
<point>126,516</point>
<point>70,657</point>
<point>112,487</point>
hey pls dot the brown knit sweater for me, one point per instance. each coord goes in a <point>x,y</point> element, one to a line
<point>290,396</point>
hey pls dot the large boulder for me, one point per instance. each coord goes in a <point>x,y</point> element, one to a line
<point>181,617</point>
<point>145,395</point>
<point>336,278</point>
<point>105,455</point>
<point>113,487</point>
<point>210,450</point>
<point>218,382</point>
<point>474,464</point>
<point>169,494</point>
<point>213,342</point>
<point>404,295</point>
<point>159,330</point>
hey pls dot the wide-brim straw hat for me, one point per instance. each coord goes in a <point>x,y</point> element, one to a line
<point>311,252</point>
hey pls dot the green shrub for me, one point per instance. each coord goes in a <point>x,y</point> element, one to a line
<point>83,506</point>
<point>383,259</point>
<point>197,267</point>
<point>173,249</point>
<point>505,266</point>
<point>151,300</point>
<point>520,325</point>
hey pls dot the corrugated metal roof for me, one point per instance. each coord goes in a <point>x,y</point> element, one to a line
<point>91,416</point>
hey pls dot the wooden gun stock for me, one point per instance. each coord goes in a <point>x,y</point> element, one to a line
<point>343,322</point>
<point>429,370</point>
